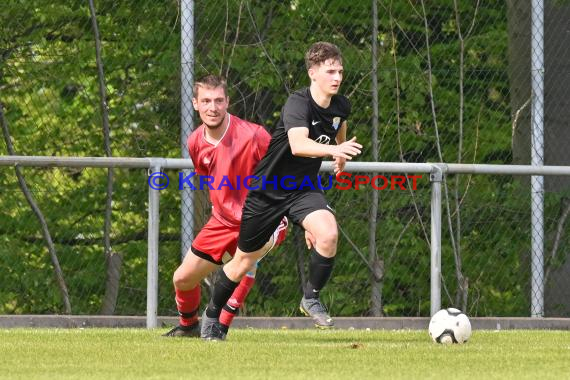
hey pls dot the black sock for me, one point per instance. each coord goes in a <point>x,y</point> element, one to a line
<point>320,269</point>
<point>223,289</point>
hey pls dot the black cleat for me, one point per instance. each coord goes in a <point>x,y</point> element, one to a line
<point>215,332</point>
<point>192,331</point>
<point>212,329</point>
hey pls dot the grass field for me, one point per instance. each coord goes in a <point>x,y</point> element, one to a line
<point>281,354</point>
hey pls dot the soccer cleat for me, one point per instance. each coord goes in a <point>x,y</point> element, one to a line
<point>214,333</point>
<point>211,328</point>
<point>192,331</point>
<point>312,307</point>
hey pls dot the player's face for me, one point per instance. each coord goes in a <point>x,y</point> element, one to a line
<point>327,76</point>
<point>212,106</point>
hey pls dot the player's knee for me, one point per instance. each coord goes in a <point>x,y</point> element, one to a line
<point>237,268</point>
<point>179,282</point>
<point>245,266</point>
<point>327,240</point>
<point>182,281</point>
<point>242,264</point>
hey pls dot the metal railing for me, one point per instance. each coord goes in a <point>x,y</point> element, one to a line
<point>437,172</point>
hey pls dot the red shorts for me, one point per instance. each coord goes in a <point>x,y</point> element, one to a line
<point>217,242</point>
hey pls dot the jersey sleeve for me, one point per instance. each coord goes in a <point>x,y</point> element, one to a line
<point>296,112</point>
<point>262,139</point>
<point>193,152</point>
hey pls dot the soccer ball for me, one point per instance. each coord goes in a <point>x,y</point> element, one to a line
<point>449,326</point>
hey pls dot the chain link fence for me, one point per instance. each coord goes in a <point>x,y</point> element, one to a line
<point>450,81</point>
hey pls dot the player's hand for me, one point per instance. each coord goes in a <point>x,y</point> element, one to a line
<point>339,164</point>
<point>310,239</point>
<point>347,149</point>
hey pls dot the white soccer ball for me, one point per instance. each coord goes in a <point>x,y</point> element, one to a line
<point>449,326</point>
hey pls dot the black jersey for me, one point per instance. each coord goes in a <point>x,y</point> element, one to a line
<point>279,171</point>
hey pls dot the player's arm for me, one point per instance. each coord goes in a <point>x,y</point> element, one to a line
<point>303,146</point>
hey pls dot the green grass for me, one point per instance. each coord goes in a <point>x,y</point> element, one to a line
<point>280,354</point>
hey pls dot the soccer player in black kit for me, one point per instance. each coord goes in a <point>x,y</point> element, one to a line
<point>286,183</point>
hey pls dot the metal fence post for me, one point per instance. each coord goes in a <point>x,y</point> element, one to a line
<point>152,260</point>
<point>435,177</point>
<point>537,159</point>
<point>186,117</point>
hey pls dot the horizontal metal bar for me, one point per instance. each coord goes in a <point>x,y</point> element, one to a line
<point>507,169</point>
<point>92,162</point>
<point>381,167</point>
<point>96,162</point>
<point>179,163</point>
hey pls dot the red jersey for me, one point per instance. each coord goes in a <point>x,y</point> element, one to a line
<point>227,163</point>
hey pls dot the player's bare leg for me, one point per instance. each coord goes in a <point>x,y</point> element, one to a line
<point>321,224</point>
<point>186,281</point>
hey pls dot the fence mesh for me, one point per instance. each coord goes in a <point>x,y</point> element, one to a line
<point>453,81</point>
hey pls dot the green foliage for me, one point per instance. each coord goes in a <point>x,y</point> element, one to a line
<point>49,88</point>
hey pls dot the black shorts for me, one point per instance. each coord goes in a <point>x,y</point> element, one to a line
<point>261,215</point>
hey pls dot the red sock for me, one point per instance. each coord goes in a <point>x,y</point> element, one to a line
<point>187,303</point>
<point>236,300</point>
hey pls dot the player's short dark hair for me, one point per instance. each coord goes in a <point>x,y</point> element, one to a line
<point>210,81</point>
<point>319,52</point>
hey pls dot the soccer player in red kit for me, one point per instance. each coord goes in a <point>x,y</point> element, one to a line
<point>226,149</point>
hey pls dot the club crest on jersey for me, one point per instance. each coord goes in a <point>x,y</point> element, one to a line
<point>336,122</point>
<point>206,161</point>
